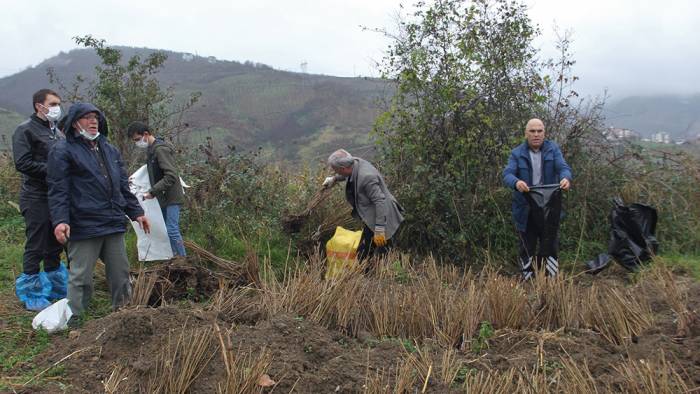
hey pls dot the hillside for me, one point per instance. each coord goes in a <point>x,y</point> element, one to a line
<point>676,115</point>
<point>246,104</point>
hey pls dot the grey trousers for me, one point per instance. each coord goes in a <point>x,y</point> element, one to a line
<point>83,256</point>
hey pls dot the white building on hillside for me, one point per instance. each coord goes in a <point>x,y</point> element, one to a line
<point>617,133</point>
<point>661,137</point>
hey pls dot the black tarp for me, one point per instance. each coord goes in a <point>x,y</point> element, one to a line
<point>545,211</point>
<point>632,237</point>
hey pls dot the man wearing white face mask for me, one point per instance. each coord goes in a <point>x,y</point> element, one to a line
<point>165,180</point>
<point>89,201</point>
<point>31,143</point>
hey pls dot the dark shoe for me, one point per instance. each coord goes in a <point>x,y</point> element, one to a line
<point>74,322</point>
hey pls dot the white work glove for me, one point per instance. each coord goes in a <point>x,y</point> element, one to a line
<point>329,181</point>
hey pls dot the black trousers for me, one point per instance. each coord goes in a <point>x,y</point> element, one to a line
<point>366,249</point>
<point>41,243</point>
<point>532,257</point>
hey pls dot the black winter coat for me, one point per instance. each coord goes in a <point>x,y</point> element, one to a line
<point>31,143</point>
<point>79,195</point>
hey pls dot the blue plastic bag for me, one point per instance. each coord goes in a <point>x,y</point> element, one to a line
<point>59,283</point>
<point>33,290</point>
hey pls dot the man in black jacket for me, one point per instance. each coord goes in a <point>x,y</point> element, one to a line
<point>31,143</point>
<point>89,200</point>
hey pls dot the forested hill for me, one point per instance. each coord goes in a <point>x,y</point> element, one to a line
<point>243,104</point>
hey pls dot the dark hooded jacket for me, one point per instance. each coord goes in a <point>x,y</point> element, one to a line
<point>79,194</point>
<point>31,143</point>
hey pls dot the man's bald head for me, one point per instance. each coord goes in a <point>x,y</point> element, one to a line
<point>534,133</point>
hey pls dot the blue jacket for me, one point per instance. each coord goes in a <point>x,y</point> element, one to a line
<point>79,195</point>
<point>554,169</point>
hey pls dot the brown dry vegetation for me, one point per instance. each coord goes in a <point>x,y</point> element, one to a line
<point>405,327</point>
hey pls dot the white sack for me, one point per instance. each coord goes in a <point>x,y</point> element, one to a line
<point>156,245</point>
<point>53,318</point>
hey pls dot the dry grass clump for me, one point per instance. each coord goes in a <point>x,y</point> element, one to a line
<point>433,301</point>
<point>232,303</point>
<point>644,376</point>
<point>142,288</point>
<point>183,358</point>
<point>381,381</point>
<point>116,378</point>
<point>577,378</point>
<point>557,302</point>
<point>506,301</point>
<point>616,313</point>
<point>417,372</point>
<point>245,371</point>
<point>676,296</point>
<point>452,315</point>
<point>493,382</point>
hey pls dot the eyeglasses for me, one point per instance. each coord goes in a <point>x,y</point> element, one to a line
<point>91,117</point>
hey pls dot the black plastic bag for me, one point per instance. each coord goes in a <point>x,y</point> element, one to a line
<point>545,212</point>
<point>632,237</point>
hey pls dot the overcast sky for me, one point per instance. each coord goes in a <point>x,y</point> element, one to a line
<point>625,46</point>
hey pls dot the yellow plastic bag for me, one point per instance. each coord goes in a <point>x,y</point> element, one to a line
<point>341,251</point>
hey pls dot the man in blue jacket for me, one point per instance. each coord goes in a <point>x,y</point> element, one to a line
<point>89,200</point>
<point>534,162</point>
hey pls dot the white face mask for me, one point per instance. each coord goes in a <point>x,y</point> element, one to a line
<point>87,135</point>
<point>142,143</point>
<point>54,113</point>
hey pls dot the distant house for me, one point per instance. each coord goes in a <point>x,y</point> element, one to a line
<point>617,134</point>
<point>661,137</point>
<point>211,59</point>
<point>188,57</point>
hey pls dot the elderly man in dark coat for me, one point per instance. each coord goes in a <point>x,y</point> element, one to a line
<point>371,201</point>
<point>89,201</point>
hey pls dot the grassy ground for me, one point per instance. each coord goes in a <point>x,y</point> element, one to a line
<point>20,344</point>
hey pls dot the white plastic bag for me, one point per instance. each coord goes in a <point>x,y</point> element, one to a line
<point>156,245</point>
<point>53,318</point>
